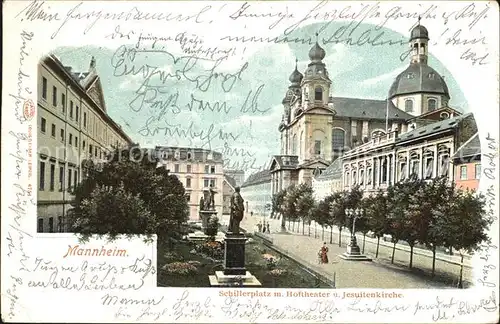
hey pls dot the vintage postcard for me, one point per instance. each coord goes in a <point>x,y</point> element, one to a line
<point>250,162</point>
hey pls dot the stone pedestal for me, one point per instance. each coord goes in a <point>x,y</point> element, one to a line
<point>222,280</point>
<point>234,254</point>
<point>354,253</point>
<point>234,273</point>
<point>205,216</point>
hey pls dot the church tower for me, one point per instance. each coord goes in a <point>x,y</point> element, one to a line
<point>419,89</point>
<point>291,97</point>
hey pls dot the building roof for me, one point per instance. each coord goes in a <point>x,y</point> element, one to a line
<point>367,109</point>
<point>316,53</point>
<point>334,171</point>
<point>59,67</point>
<point>175,153</point>
<point>419,31</point>
<point>418,78</point>
<point>285,161</point>
<point>471,148</point>
<point>257,178</point>
<point>429,129</point>
<point>230,181</point>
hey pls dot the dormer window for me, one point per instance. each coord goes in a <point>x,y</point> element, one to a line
<point>410,75</point>
<point>177,154</point>
<point>189,155</point>
<point>431,76</point>
<point>431,104</point>
<point>409,105</point>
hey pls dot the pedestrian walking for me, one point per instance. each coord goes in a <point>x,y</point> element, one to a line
<point>259,226</point>
<point>264,228</point>
<point>323,252</point>
<point>268,228</point>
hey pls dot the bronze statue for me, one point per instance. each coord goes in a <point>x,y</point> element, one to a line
<point>202,203</point>
<point>237,209</point>
<point>212,197</point>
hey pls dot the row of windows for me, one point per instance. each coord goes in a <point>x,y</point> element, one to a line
<point>51,228</point>
<point>177,155</point>
<point>72,177</point>
<point>386,171</point>
<point>431,104</point>
<point>74,111</point>
<point>209,169</point>
<point>73,140</point>
<point>477,172</point>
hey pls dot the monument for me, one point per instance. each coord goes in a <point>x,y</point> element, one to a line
<point>207,210</point>
<point>234,272</point>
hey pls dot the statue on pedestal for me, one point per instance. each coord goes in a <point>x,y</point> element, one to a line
<point>237,210</point>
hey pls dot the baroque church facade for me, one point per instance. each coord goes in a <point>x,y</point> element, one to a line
<point>325,139</point>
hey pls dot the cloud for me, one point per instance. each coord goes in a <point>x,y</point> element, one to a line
<point>384,77</point>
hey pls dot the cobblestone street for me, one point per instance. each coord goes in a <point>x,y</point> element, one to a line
<point>362,274</point>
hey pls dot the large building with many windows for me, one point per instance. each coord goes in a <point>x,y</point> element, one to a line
<point>423,146</point>
<point>198,170</point>
<point>73,127</point>
<point>256,191</point>
<point>316,128</point>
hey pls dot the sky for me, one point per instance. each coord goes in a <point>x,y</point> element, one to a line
<point>239,111</point>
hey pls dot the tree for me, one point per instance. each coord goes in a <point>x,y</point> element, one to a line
<point>277,205</point>
<point>212,227</point>
<point>305,204</point>
<point>416,218</point>
<point>298,202</point>
<point>337,213</point>
<point>376,210</point>
<point>321,215</point>
<point>134,171</point>
<point>124,213</point>
<point>395,202</point>
<point>465,224</point>
<point>440,195</point>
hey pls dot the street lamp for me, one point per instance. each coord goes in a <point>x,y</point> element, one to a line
<point>354,214</point>
<point>353,251</point>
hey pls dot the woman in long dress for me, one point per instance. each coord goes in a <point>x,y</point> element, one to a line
<point>323,252</point>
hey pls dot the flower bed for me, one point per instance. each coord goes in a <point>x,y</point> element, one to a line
<point>210,249</point>
<point>268,268</point>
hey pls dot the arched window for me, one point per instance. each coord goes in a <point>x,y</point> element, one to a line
<point>338,141</point>
<point>294,144</point>
<point>408,105</point>
<point>318,93</point>
<point>431,104</point>
<point>317,147</point>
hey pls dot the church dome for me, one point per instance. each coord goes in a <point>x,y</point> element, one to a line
<point>296,76</point>
<point>316,53</point>
<point>419,32</point>
<point>418,78</point>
